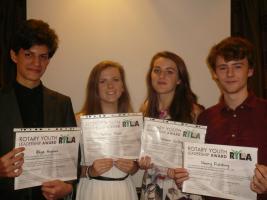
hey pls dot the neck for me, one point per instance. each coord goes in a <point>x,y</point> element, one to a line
<point>28,84</point>
<point>165,101</point>
<point>109,108</point>
<point>234,100</point>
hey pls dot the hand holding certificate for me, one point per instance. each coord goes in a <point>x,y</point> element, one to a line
<point>50,153</point>
<point>162,140</point>
<point>111,136</point>
<point>219,170</point>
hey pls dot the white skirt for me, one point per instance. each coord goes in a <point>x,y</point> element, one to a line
<point>107,190</point>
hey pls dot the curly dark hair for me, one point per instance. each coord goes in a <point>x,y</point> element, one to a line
<point>232,48</point>
<point>35,32</point>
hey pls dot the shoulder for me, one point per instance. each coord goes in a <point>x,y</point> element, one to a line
<point>260,105</point>
<point>143,107</point>
<point>208,114</point>
<point>196,110</point>
<point>261,101</point>
<point>54,94</point>
<point>6,93</point>
<point>77,117</point>
<point>6,90</point>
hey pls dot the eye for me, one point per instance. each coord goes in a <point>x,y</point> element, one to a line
<point>170,72</point>
<point>116,79</point>
<point>27,54</point>
<point>102,81</point>
<point>44,57</point>
<point>238,66</point>
<point>222,68</point>
<point>156,70</point>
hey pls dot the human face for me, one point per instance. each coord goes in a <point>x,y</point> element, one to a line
<point>233,75</point>
<point>31,64</point>
<point>110,86</point>
<point>164,76</point>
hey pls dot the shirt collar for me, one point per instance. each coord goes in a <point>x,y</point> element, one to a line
<point>24,89</point>
<point>249,102</point>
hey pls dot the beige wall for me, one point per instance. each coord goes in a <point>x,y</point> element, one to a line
<point>130,32</point>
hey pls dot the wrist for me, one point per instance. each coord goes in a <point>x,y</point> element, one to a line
<point>89,172</point>
<point>69,187</point>
<point>134,168</point>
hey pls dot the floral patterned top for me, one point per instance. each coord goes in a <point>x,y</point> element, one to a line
<point>157,185</point>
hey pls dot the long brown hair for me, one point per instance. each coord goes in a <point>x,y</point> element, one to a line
<point>92,102</point>
<point>184,99</point>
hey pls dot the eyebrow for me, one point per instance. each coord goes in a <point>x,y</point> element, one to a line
<point>28,50</point>
<point>238,63</point>
<point>173,68</point>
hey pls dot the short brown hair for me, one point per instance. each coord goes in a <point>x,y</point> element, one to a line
<point>232,48</point>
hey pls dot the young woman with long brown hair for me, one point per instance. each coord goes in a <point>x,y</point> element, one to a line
<point>169,97</point>
<point>107,93</point>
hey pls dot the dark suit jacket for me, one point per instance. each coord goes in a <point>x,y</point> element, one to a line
<point>58,112</point>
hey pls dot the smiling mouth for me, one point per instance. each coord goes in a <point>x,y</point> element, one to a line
<point>230,82</point>
<point>111,93</point>
<point>35,70</point>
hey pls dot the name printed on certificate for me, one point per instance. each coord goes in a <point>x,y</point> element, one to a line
<point>111,136</point>
<point>162,140</point>
<point>220,170</point>
<point>50,153</point>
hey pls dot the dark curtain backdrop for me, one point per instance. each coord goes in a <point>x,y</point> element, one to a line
<point>12,12</point>
<point>249,20</point>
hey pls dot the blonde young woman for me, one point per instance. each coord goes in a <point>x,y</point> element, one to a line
<point>169,97</point>
<point>107,93</point>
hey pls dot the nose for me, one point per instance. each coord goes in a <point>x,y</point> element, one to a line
<point>110,84</point>
<point>36,61</point>
<point>230,71</point>
<point>162,74</point>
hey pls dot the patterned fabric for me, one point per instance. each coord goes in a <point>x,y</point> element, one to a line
<point>157,185</point>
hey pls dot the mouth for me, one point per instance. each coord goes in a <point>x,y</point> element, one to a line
<point>230,82</point>
<point>111,93</point>
<point>161,83</point>
<point>35,70</point>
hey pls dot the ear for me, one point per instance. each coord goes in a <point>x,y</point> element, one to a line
<point>13,56</point>
<point>214,75</point>
<point>250,72</point>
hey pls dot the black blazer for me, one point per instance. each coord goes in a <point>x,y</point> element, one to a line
<point>58,112</point>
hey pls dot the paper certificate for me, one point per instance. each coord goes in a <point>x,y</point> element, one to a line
<point>111,135</point>
<point>219,170</point>
<point>50,153</point>
<point>162,140</point>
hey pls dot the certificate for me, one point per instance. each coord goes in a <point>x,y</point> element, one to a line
<point>162,140</point>
<point>111,136</point>
<point>219,170</point>
<point>50,153</point>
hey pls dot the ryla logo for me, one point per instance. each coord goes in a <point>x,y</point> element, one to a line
<point>129,123</point>
<point>191,134</point>
<point>66,139</point>
<point>238,155</point>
